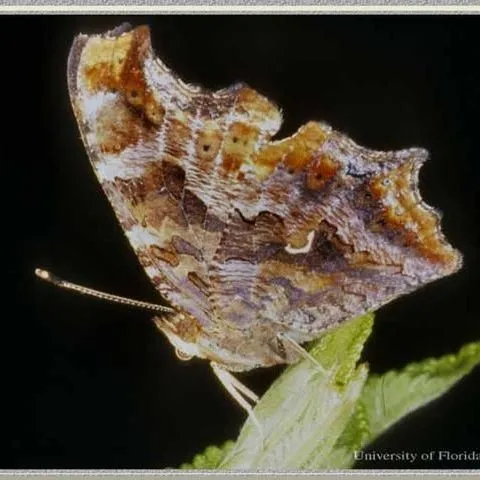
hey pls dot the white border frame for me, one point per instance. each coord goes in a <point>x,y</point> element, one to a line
<point>385,7</point>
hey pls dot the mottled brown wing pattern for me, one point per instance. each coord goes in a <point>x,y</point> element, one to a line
<point>247,238</point>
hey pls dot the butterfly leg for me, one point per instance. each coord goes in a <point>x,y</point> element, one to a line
<point>299,349</point>
<point>236,389</point>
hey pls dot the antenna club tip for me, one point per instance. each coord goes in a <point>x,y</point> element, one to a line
<point>43,274</point>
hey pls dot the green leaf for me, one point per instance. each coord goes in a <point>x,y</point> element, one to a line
<point>387,398</point>
<point>210,458</point>
<point>317,416</point>
<point>353,438</point>
<point>308,407</point>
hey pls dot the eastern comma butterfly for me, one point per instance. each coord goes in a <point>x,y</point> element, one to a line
<point>258,245</point>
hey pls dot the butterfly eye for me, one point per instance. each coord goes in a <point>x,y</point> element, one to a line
<point>185,357</point>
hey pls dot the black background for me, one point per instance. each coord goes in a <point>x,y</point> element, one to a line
<point>86,384</point>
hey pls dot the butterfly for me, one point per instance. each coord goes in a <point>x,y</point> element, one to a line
<point>258,246</point>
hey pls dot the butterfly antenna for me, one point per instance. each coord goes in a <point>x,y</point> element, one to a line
<point>58,282</point>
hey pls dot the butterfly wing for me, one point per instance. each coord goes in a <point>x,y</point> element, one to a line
<point>249,237</point>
